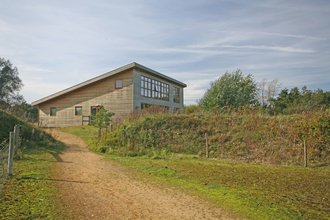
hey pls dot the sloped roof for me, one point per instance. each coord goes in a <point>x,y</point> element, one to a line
<point>105,75</point>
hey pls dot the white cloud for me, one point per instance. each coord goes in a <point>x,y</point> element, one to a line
<point>33,69</point>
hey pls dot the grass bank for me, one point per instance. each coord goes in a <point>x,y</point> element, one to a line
<point>242,136</point>
<point>30,193</point>
<point>251,190</point>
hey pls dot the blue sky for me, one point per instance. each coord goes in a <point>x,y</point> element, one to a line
<point>57,44</point>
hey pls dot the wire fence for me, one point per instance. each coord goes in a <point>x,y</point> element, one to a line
<point>4,151</point>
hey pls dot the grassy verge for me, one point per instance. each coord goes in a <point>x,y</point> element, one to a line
<point>30,193</point>
<point>255,191</point>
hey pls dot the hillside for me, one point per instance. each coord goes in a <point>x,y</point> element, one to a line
<point>244,136</point>
<point>27,132</point>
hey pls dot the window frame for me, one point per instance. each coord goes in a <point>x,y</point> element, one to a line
<point>152,88</point>
<point>176,94</point>
<point>116,83</point>
<point>98,108</point>
<point>75,111</point>
<point>50,113</point>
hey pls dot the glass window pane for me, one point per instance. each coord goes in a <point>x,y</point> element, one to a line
<point>78,110</point>
<point>142,91</point>
<point>53,111</point>
<point>145,92</point>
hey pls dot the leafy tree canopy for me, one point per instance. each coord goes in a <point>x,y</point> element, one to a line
<point>232,89</point>
<point>102,119</point>
<point>10,83</point>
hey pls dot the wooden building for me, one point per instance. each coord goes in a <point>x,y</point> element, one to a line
<point>120,91</point>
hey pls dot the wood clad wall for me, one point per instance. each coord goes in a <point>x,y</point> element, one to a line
<point>102,93</point>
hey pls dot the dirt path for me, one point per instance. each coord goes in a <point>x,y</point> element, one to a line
<point>94,188</point>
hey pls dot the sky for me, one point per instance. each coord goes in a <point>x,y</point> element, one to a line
<point>58,44</point>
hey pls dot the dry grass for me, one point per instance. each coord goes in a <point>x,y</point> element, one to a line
<point>244,135</point>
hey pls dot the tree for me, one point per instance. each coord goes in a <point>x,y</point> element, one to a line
<point>101,119</point>
<point>230,89</point>
<point>268,91</point>
<point>10,83</point>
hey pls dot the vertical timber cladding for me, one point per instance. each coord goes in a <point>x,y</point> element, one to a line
<point>100,93</point>
<point>138,99</point>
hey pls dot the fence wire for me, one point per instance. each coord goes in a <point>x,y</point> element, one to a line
<point>4,151</point>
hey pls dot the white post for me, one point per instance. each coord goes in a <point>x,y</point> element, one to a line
<point>11,153</point>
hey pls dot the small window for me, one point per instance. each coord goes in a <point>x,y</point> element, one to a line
<point>78,111</point>
<point>52,111</point>
<point>119,84</point>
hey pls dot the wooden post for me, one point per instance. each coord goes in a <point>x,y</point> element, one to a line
<point>11,153</point>
<point>82,120</point>
<point>305,153</point>
<point>110,127</point>
<point>207,146</point>
<point>32,133</point>
<point>16,131</point>
<point>99,131</point>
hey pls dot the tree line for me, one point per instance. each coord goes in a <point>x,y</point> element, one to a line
<point>235,90</point>
<point>229,90</point>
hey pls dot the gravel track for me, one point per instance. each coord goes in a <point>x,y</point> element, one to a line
<point>94,188</point>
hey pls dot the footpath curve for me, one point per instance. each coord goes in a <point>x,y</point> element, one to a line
<point>94,188</point>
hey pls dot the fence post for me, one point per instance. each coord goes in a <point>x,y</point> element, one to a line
<point>207,146</point>
<point>305,153</point>
<point>16,131</point>
<point>11,153</point>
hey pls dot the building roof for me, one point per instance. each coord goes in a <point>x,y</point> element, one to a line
<point>105,75</point>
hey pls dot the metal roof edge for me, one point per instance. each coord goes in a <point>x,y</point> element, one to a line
<point>160,74</point>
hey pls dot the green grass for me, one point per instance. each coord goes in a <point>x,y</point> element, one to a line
<point>253,191</point>
<point>30,193</point>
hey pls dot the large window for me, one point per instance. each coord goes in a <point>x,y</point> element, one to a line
<point>176,94</point>
<point>154,89</point>
<point>52,111</point>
